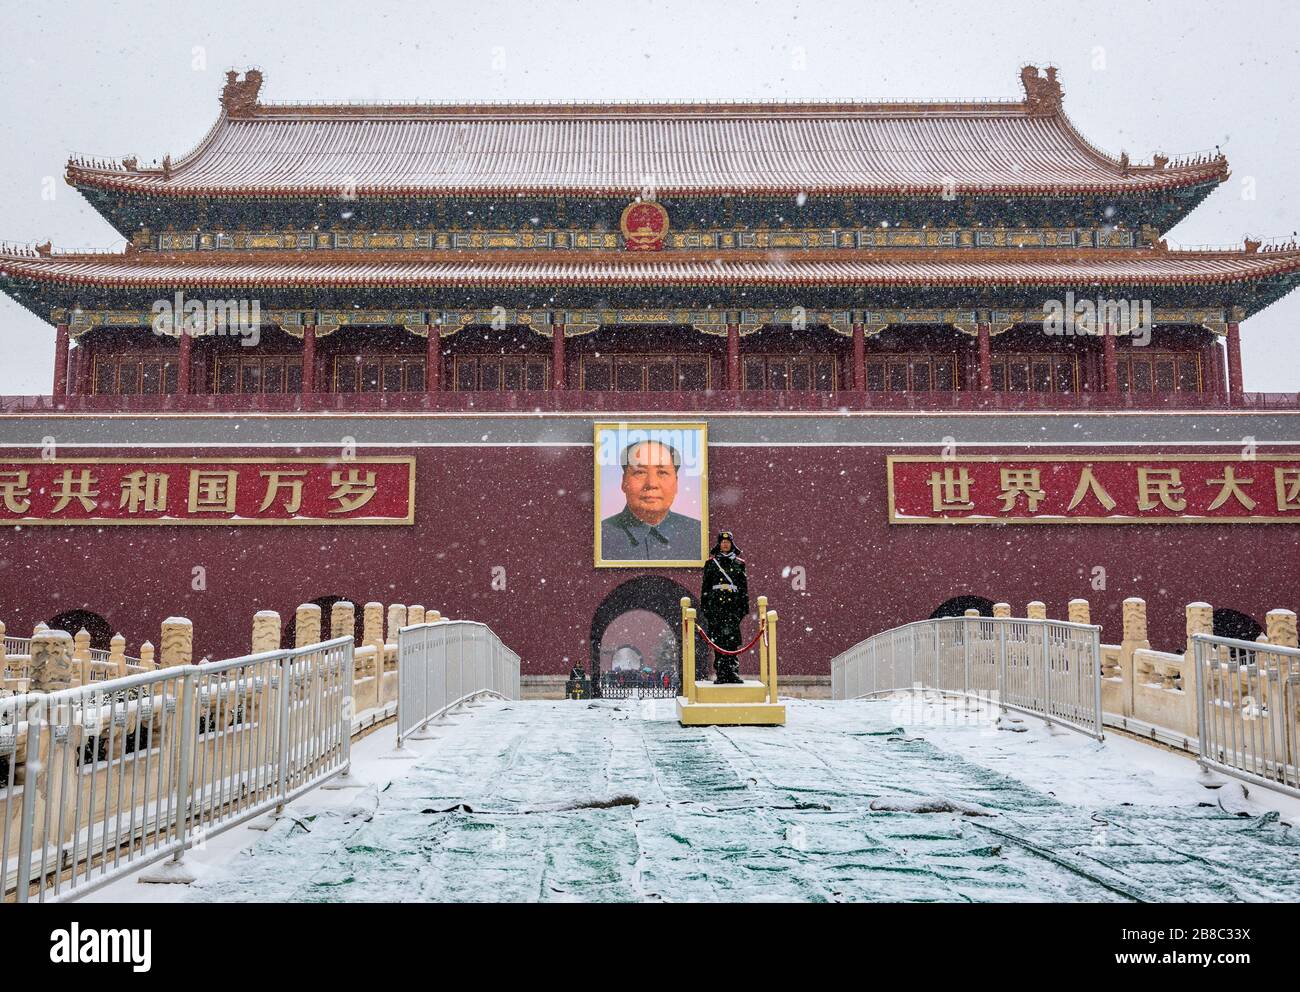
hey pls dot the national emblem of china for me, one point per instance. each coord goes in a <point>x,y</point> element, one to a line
<point>644,225</point>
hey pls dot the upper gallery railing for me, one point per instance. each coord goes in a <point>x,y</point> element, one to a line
<point>578,400</point>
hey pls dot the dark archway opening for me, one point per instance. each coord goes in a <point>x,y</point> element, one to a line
<point>958,605</point>
<point>1231,623</point>
<point>101,633</point>
<point>289,632</point>
<point>651,593</point>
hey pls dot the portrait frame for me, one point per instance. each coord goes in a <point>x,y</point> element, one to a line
<point>691,438</point>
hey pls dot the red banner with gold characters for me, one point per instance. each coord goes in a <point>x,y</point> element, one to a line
<point>1094,489</point>
<point>229,491</point>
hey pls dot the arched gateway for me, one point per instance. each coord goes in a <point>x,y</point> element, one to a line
<point>645,594</point>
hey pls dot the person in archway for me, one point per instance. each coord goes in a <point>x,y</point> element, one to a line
<point>724,603</point>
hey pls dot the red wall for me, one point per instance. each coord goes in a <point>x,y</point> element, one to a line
<point>529,509</point>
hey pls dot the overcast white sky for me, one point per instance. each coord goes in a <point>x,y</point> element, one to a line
<point>108,79</point>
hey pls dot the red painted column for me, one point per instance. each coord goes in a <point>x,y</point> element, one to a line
<point>309,359</point>
<point>84,370</point>
<point>1207,368</point>
<point>61,361</point>
<point>859,358</point>
<point>433,360</point>
<point>1235,386</point>
<point>1218,373</point>
<point>185,361</point>
<point>1110,364</point>
<point>733,356</point>
<point>986,358</point>
<point>557,357</point>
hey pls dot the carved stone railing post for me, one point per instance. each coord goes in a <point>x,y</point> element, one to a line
<point>81,655</point>
<point>396,620</point>
<point>51,667</point>
<point>266,637</point>
<point>177,642</point>
<point>343,619</point>
<point>117,654</point>
<point>1280,626</point>
<point>1200,620</point>
<point>372,631</point>
<point>2,649</point>
<point>1135,621</point>
<point>414,615</point>
<point>146,656</point>
<point>47,771</point>
<point>266,632</point>
<point>306,623</point>
<point>1036,610</point>
<point>1080,611</point>
<point>1135,639</point>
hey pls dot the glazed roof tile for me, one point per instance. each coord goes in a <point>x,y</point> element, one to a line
<point>776,149</point>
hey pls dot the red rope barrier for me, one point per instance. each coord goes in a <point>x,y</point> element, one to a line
<point>703,634</point>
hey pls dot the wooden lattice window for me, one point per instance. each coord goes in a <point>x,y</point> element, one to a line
<point>1034,373</point>
<point>372,374</point>
<point>796,373</point>
<point>258,374</point>
<point>132,375</point>
<point>501,373</point>
<point>1160,372</point>
<point>646,373</point>
<point>908,373</point>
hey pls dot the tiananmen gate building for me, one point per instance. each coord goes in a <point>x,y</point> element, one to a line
<point>360,352</point>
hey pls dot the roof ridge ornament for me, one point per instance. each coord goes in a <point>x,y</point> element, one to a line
<point>239,96</point>
<point>1042,92</point>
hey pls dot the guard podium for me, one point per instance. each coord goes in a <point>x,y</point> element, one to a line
<point>752,703</point>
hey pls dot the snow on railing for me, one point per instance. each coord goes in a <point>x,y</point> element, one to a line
<point>180,748</point>
<point>445,663</point>
<point>1174,697</point>
<point>1045,668</point>
<point>125,773</point>
<point>1245,699</point>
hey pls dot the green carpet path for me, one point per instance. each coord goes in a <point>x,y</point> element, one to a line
<point>593,801</point>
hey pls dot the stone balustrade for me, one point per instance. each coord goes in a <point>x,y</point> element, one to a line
<point>52,660</point>
<point>1144,688</point>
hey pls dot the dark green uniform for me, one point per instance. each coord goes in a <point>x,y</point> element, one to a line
<point>724,603</point>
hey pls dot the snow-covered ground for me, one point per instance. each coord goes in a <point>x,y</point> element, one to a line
<point>897,799</point>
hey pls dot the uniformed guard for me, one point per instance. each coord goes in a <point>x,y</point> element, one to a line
<point>724,603</point>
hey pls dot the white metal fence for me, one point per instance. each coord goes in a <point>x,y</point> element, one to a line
<point>100,780</point>
<point>1047,668</point>
<point>443,664</point>
<point>1248,710</point>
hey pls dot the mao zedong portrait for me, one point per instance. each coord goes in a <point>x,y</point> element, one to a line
<point>648,529</point>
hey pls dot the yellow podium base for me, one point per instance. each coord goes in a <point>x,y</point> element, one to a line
<point>730,706</point>
<point>752,691</point>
